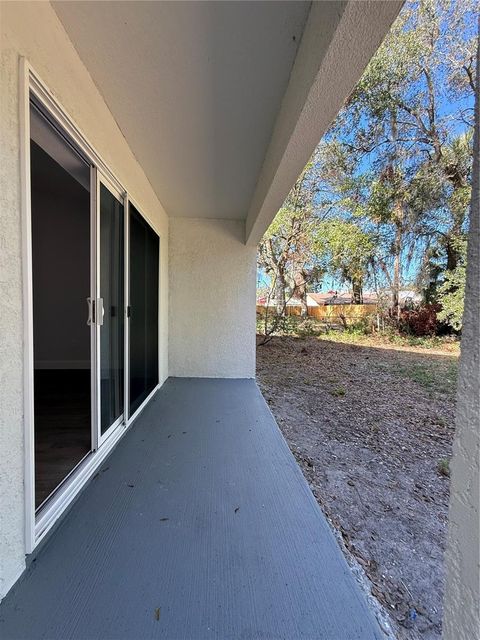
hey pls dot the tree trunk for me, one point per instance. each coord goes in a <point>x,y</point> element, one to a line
<point>397,251</point>
<point>452,255</point>
<point>280,286</point>
<point>303,302</point>
<point>301,291</point>
<point>357,292</point>
<point>397,259</point>
<point>398,218</point>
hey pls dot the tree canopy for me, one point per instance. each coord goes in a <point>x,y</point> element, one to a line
<point>384,200</point>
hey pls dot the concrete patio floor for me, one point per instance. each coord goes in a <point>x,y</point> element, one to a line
<point>199,525</point>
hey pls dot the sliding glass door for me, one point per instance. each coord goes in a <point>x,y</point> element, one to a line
<point>144,246</point>
<point>111,307</point>
<point>95,299</point>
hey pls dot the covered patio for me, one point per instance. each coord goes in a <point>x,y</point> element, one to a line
<point>177,129</point>
<point>200,524</point>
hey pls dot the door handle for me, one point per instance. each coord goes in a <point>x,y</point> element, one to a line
<point>100,311</point>
<point>90,312</point>
<point>96,311</point>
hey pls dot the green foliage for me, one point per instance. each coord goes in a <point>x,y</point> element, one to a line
<point>396,161</point>
<point>361,327</point>
<point>344,250</point>
<point>276,325</point>
<point>451,295</point>
<point>308,327</point>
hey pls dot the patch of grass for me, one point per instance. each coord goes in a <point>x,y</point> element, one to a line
<point>339,392</point>
<point>359,333</point>
<point>440,420</point>
<point>432,376</point>
<point>357,336</point>
<point>443,467</point>
<point>344,336</point>
<point>419,373</point>
<point>441,343</point>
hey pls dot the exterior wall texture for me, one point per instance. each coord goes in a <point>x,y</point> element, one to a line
<point>32,30</point>
<point>212,299</point>
<point>462,600</point>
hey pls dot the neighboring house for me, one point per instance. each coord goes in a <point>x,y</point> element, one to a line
<point>406,297</point>
<point>337,297</point>
<point>409,297</point>
<point>146,148</point>
<point>265,301</point>
<point>321,299</point>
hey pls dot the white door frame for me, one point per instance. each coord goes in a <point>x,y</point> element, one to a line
<point>120,422</point>
<point>38,525</point>
<point>94,338</point>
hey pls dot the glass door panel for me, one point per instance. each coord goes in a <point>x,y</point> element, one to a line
<point>111,309</point>
<point>61,230</point>
<point>144,250</point>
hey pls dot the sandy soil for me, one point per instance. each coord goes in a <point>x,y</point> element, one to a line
<point>370,428</point>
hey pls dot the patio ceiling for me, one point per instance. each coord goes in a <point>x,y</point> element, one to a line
<point>210,95</point>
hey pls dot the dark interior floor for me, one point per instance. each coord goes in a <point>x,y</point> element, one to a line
<point>200,525</point>
<point>62,426</point>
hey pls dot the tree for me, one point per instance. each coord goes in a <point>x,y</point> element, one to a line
<point>393,173</point>
<point>346,252</point>
<point>286,252</point>
<point>398,157</point>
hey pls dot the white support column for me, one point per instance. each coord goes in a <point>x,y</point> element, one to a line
<point>212,278</point>
<point>462,598</point>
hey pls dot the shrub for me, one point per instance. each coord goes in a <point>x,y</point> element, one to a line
<point>361,327</point>
<point>308,327</point>
<point>273,324</point>
<point>452,292</point>
<point>451,295</point>
<point>421,321</point>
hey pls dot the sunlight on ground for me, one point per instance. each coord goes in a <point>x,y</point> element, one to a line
<point>451,349</point>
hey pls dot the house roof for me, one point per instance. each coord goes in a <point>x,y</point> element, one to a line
<point>341,297</point>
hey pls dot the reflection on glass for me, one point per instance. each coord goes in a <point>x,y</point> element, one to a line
<point>144,254</point>
<point>112,292</point>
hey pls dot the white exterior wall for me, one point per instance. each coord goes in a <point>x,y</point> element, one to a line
<point>32,30</point>
<point>462,598</point>
<point>212,299</point>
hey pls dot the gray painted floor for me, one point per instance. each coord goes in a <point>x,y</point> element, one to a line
<point>200,518</point>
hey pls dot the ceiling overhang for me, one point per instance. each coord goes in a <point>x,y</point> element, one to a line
<point>223,102</point>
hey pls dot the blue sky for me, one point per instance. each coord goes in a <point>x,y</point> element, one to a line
<point>448,111</point>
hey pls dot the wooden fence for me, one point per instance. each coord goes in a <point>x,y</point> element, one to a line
<point>331,313</point>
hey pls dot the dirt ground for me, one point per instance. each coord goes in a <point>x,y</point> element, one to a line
<point>372,430</point>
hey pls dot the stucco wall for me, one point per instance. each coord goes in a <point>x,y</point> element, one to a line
<point>462,599</point>
<point>32,30</point>
<point>212,299</point>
